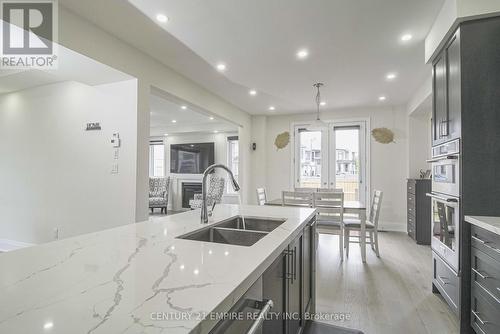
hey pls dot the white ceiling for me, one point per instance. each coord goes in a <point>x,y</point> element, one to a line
<point>352,45</point>
<point>188,120</point>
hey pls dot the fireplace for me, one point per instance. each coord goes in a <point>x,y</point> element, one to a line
<point>189,189</point>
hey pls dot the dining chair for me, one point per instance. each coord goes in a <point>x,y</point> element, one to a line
<point>306,190</point>
<point>330,215</point>
<point>370,225</point>
<point>261,196</point>
<point>296,198</point>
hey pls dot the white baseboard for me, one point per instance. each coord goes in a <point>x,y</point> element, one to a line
<point>392,226</point>
<point>10,245</point>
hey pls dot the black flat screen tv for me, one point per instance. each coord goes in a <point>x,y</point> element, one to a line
<point>191,158</point>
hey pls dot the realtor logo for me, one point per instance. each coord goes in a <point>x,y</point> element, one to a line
<point>29,33</point>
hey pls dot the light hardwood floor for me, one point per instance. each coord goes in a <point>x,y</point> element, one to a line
<point>390,294</point>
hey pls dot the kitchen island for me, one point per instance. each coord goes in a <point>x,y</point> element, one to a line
<point>140,278</point>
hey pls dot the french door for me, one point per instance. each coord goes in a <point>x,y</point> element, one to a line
<point>333,156</point>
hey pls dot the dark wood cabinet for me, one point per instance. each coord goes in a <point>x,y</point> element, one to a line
<point>446,116</point>
<point>469,92</point>
<point>289,283</point>
<point>418,223</point>
<point>485,278</point>
<point>274,288</point>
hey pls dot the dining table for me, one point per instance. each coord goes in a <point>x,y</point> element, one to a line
<point>351,208</point>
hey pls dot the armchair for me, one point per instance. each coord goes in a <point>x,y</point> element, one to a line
<point>158,193</point>
<point>215,191</point>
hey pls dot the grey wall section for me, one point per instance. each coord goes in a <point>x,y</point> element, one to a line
<point>86,38</point>
<point>55,175</point>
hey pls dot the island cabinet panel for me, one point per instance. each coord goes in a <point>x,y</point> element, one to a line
<point>289,283</point>
<point>294,318</point>
<point>274,288</point>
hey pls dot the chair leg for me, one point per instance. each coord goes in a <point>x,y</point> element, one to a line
<point>376,244</point>
<point>152,210</point>
<point>347,236</point>
<point>341,244</point>
<point>371,240</point>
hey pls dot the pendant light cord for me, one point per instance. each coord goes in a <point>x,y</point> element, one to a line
<point>318,98</point>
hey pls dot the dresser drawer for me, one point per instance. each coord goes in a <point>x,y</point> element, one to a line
<point>410,186</point>
<point>446,281</point>
<point>485,273</point>
<point>485,315</point>
<point>486,242</point>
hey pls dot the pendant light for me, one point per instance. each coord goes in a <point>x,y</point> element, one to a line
<point>318,123</point>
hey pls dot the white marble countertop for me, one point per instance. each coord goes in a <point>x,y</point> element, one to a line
<point>491,224</point>
<point>138,278</point>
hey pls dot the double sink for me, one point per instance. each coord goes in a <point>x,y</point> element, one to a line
<point>241,231</point>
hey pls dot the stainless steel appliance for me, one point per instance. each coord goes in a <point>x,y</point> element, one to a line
<point>445,197</point>
<point>446,168</point>
<point>446,228</point>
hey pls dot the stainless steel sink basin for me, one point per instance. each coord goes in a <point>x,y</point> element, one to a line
<point>252,224</point>
<point>226,236</point>
<point>234,231</point>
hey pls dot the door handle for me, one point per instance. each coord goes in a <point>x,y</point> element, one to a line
<point>442,278</point>
<point>295,263</point>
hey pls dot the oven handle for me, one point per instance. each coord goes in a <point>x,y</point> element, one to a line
<point>441,198</point>
<point>447,157</point>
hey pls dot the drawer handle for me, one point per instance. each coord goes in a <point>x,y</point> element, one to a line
<point>442,278</point>
<point>485,243</point>
<point>476,315</point>
<point>483,276</point>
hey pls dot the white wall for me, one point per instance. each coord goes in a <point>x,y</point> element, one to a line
<point>419,143</point>
<point>56,175</point>
<point>86,38</point>
<point>388,162</point>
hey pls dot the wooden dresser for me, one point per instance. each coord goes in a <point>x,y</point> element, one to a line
<point>419,210</point>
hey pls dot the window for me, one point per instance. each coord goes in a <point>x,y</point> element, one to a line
<point>156,159</point>
<point>233,157</point>
<point>333,156</point>
<point>309,143</point>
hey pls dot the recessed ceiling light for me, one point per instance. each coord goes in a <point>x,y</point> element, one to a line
<point>381,98</point>
<point>302,54</point>
<point>252,92</point>
<point>162,18</point>
<point>211,118</point>
<point>48,325</point>
<point>221,67</point>
<point>272,108</point>
<point>174,121</point>
<point>406,37</point>
<point>192,145</point>
<point>322,103</point>
<point>184,107</point>
<point>215,131</point>
<point>166,134</point>
<point>391,76</point>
